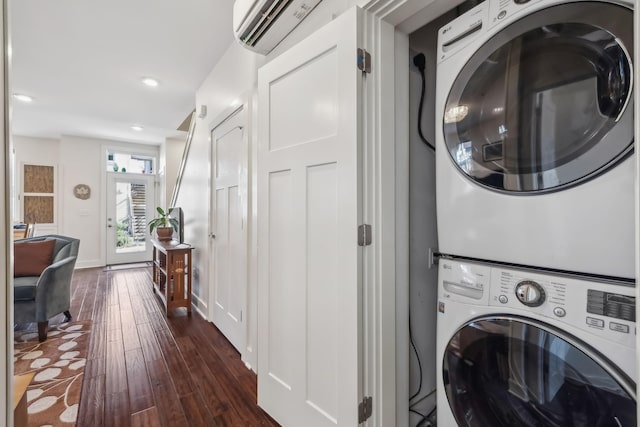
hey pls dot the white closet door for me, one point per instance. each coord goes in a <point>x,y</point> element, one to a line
<point>309,272</point>
<point>229,275</point>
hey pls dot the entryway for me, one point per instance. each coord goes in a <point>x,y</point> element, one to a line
<point>130,206</point>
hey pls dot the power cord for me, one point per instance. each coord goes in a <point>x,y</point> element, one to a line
<point>428,420</point>
<point>413,345</point>
<point>420,62</point>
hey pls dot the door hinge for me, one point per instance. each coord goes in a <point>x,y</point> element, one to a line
<point>365,409</point>
<point>364,235</point>
<point>364,61</point>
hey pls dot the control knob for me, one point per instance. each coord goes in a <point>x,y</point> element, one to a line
<point>530,293</point>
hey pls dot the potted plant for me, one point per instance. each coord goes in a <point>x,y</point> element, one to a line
<point>163,224</point>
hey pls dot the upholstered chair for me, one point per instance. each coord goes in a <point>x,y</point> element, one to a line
<point>43,267</point>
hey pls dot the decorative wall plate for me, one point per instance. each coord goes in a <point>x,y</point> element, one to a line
<point>82,191</point>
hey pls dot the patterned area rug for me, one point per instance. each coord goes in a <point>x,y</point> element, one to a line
<point>58,363</point>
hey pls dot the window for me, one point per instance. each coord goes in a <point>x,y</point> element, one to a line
<point>129,163</point>
<point>38,186</point>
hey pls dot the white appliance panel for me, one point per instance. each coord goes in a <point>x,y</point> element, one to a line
<point>585,228</point>
<point>607,339</point>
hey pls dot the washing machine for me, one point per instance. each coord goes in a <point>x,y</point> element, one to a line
<point>525,348</point>
<point>534,135</point>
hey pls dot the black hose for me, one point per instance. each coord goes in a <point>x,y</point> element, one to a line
<point>418,359</point>
<point>420,61</point>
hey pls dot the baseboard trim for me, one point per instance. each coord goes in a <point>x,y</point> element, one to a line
<point>199,305</point>
<point>91,263</point>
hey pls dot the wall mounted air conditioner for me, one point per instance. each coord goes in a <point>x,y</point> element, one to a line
<point>260,25</point>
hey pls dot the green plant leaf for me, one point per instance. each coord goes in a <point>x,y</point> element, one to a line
<point>163,220</point>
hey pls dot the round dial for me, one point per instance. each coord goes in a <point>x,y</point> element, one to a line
<point>530,293</point>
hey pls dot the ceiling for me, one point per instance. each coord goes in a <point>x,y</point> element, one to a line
<point>83,61</point>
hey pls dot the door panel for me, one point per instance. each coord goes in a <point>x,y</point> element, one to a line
<point>309,315</point>
<point>322,287</point>
<point>130,207</point>
<point>290,104</point>
<point>282,345</point>
<point>229,248</point>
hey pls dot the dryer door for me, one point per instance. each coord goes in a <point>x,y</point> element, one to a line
<point>547,102</point>
<point>501,371</point>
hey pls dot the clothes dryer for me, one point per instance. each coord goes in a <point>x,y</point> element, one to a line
<point>520,348</point>
<point>533,153</point>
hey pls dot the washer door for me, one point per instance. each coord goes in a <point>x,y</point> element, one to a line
<point>518,372</point>
<point>547,102</point>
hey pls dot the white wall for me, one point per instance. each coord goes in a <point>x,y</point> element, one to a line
<point>79,160</point>
<point>82,163</point>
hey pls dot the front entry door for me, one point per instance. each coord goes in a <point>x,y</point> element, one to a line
<point>130,206</point>
<point>309,262</point>
<point>229,225</point>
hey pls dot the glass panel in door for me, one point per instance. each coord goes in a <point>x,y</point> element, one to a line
<point>130,207</point>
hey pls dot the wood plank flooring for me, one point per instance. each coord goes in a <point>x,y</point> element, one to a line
<point>146,369</point>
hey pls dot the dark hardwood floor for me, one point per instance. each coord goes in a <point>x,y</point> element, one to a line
<point>147,369</point>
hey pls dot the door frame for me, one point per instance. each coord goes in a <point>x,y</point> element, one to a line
<point>386,116</point>
<point>134,149</point>
<point>247,353</point>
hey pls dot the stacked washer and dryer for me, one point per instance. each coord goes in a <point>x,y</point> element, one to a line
<point>535,210</point>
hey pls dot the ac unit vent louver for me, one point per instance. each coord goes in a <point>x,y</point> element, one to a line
<point>261,24</point>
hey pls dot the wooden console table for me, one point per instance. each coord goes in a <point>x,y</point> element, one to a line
<point>172,273</point>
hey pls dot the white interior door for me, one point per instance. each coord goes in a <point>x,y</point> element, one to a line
<point>229,228</point>
<point>130,207</point>
<point>309,262</point>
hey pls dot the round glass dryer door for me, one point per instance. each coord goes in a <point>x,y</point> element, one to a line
<point>505,372</point>
<point>547,102</point>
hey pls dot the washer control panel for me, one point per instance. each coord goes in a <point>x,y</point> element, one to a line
<point>530,293</point>
<point>521,290</point>
<point>501,10</point>
<point>603,309</point>
<point>466,283</point>
<point>612,305</point>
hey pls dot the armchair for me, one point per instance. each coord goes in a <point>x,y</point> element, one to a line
<point>37,298</point>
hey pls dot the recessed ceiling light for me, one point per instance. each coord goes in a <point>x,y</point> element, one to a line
<point>22,97</point>
<point>137,128</point>
<point>149,81</point>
